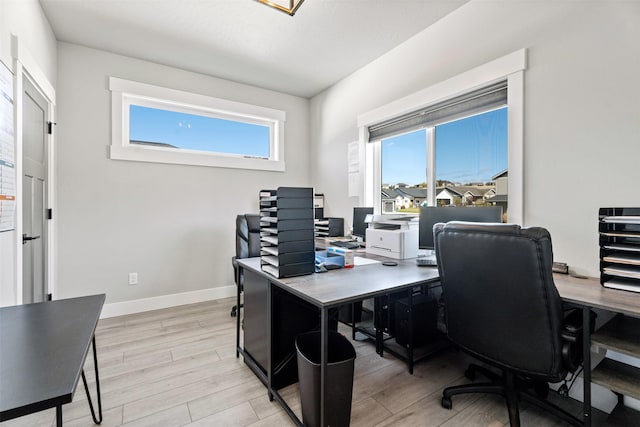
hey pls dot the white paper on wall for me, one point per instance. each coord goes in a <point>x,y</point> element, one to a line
<point>353,156</point>
<point>7,152</point>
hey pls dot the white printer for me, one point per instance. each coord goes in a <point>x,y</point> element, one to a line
<point>393,236</point>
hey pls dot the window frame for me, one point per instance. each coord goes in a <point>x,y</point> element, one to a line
<point>510,67</point>
<point>125,93</point>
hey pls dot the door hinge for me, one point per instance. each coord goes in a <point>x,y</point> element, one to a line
<point>49,213</point>
<point>50,127</point>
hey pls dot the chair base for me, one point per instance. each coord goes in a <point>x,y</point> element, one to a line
<point>234,310</point>
<point>513,390</point>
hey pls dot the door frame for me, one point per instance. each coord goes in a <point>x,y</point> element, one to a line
<point>25,65</point>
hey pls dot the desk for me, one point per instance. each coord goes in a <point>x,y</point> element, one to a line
<point>339,287</point>
<point>587,294</point>
<point>43,347</point>
<point>333,289</point>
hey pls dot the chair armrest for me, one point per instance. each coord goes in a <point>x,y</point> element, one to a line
<point>572,330</point>
<point>234,262</point>
<point>572,337</point>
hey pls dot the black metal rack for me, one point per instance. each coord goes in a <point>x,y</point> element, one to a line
<point>395,320</point>
<point>287,231</point>
<point>619,238</point>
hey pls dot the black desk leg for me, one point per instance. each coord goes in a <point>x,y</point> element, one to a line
<point>410,331</point>
<point>324,359</point>
<point>377,324</point>
<point>238,270</point>
<point>86,389</point>
<point>59,416</point>
<point>353,320</point>
<point>586,364</point>
<point>270,366</point>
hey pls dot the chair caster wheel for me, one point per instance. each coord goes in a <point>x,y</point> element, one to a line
<point>270,396</point>
<point>542,390</point>
<point>233,312</point>
<point>470,374</point>
<point>446,402</point>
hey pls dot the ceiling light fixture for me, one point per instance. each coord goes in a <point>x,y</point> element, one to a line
<point>287,6</point>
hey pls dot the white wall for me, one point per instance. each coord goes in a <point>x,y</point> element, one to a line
<point>582,107</point>
<point>173,225</point>
<point>25,19</point>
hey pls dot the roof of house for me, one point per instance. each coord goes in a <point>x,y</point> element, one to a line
<point>499,198</point>
<point>414,192</point>
<point>389,193</point>
<point>503,174</point>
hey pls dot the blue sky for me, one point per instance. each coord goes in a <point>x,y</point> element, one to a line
<point>468,150</point>
<point>190,131</point>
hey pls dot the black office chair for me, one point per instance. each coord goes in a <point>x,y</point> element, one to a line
<point>247,246</point>
<point>502,307</point>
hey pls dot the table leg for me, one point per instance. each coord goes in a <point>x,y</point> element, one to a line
<point>377,323</point>
<point>586,363</point>
<point>269,338</point>
<point>410,331</point>
<point>86,389</point>
<point>238,275</point>
<point>353,321</point>
<point>324,359</point>
<point>59,416</point>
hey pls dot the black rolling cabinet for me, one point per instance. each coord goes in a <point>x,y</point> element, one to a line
<point>619,230</point>
<point>287,231</point>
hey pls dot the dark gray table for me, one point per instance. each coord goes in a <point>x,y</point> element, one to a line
<point>43,348</point>
<point>330,290</point>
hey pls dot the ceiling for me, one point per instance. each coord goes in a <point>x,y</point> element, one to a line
<point>246,41</point>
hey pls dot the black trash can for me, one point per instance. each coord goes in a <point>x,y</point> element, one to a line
<point>341,358</point>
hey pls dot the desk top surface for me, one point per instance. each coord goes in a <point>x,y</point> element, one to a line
<point>589,292</point>
<point>42,351</point>
<point>344,285</point>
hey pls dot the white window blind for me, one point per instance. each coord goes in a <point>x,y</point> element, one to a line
<point>477,101</point>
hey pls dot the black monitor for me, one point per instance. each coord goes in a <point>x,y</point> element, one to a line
<point>431,215</point>
<point>359,224</point>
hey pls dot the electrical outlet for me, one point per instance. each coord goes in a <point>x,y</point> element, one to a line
<point>133,278</point>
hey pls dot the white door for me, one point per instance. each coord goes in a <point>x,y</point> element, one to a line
<point>34,195</point>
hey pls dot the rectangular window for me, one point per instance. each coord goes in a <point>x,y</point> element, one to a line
<point>156,124</point>
<point>403,172</point>
<point>470,129</point>
<point>470,157</point>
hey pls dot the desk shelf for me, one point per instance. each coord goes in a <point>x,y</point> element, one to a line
<point>618,377</point>
<point>620,334</point>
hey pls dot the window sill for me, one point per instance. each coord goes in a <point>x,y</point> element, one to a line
<point>141,154</point>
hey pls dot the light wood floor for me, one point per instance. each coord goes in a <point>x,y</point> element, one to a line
<point>177,367</point>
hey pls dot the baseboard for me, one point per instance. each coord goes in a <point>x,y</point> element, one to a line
<point>165,301</point>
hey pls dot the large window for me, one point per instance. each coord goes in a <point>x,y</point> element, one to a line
<point>156,124</point>
<point>458,142</point>
<point>470,158</point>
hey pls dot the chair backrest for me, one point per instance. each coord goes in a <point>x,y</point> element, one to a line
<point>500,300</point>
<point>247,235</point>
